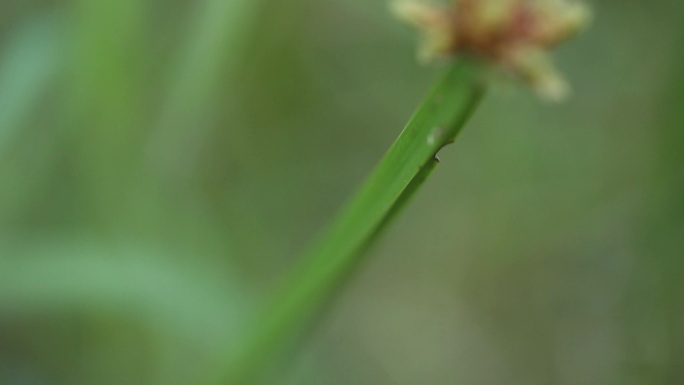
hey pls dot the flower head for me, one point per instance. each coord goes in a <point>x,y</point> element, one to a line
<point>513,34</point>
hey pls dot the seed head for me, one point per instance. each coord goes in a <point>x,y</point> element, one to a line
<point>515,35</point>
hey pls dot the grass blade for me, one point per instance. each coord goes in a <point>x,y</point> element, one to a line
<point>334,257</point>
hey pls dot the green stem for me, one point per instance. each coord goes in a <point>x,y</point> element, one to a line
<point>338,252</point>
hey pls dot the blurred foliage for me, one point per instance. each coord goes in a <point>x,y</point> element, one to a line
<point>163,163</point>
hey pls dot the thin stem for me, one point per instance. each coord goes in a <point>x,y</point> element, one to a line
<point>338,252</point>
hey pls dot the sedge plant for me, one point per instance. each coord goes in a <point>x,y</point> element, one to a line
<point>472,37</point>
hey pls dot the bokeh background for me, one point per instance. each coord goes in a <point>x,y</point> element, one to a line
<point>164,163</point>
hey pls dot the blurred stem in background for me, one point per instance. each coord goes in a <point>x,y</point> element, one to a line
<point>32,59</point>
<point>337,254</point>
<point>209,56</point>
<point>132,155</point>
<point>108,106</point>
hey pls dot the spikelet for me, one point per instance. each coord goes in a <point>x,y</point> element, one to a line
<point>515,35</point>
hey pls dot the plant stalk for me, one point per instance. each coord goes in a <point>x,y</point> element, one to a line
<point>338,252</point>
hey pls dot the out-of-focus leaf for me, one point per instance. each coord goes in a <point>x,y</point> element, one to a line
<point>194,302</point>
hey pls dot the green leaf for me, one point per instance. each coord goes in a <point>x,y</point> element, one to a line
<point>338,251</point>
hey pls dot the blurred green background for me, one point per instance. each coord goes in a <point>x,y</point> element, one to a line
<point>164,163</point>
